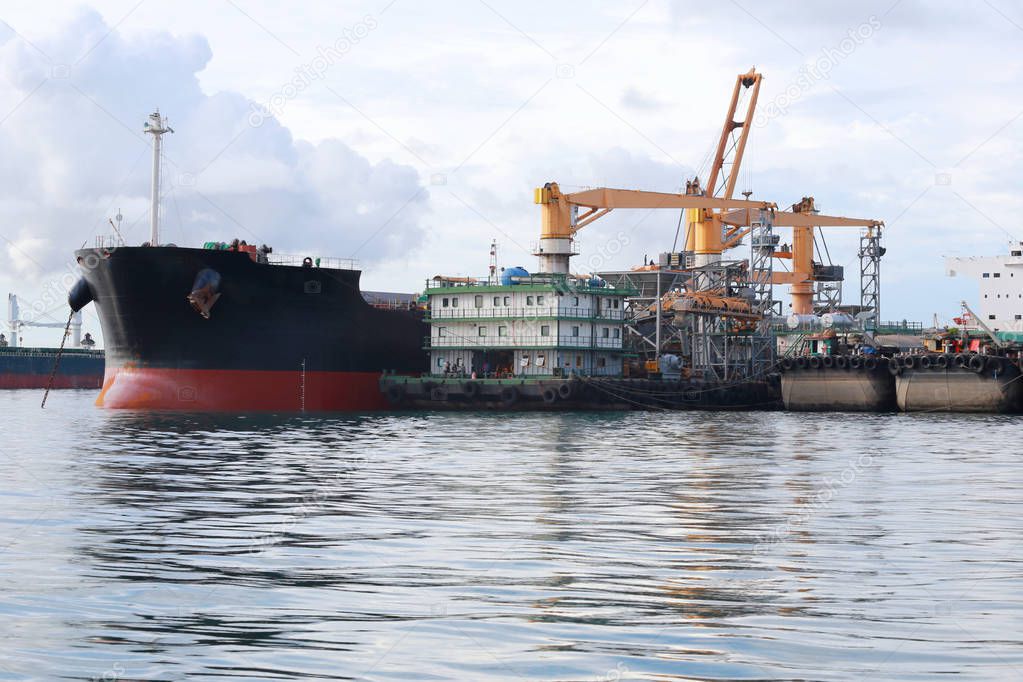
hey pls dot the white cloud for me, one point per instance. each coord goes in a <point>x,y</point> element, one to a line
<point>74,154</point>
<point>453,90</point>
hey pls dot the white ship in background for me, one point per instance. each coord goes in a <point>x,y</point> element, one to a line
<point>1000,302</point>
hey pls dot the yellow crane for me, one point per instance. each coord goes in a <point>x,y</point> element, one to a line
<point>803,219</point>
<point>714,223</point>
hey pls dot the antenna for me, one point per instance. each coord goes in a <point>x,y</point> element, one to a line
<point>156,126</point>
<point>117,226</point>
<point>493,260</point>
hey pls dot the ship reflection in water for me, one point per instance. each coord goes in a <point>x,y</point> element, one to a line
<point>532,546</point>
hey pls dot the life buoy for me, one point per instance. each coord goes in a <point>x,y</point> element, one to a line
<point>307,262</point>
<point>550,395</point>
<point>471,389</point>
<point>566,390</point>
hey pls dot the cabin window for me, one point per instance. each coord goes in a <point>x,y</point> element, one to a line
<point>502,331</point>
<point>578,361</point>
<point>618,332</point>
<point>545,330</point>
<point>481,331</point>
<point>616,302</point>
<point>539,300</point>
<point>1019,317</point>
<point>998,274</point>
<point>601,362</point>
<point>440,362</point>
<point>497,301</point>
<point>575,301</point>
<point>990,317</point>
<point>478,301</point>
<point>986,275</point>
<point>606,332</point>
<point>454,302</point>
<point>575,331</point>
<point>445,302</point>
<point>529,300</point>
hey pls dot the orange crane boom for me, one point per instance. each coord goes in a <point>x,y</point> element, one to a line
<point>562,216</point>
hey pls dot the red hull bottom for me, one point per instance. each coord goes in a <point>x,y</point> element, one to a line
<point>214,390</point>
<point>15,381</point>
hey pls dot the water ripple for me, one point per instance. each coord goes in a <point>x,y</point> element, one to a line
<point>521,546</point>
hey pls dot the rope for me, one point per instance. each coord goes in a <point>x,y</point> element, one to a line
<point>56,362</point>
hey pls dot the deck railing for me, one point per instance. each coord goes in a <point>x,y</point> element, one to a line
<point>517,342</point>
<point>526,313</point>
<point>324,261</point>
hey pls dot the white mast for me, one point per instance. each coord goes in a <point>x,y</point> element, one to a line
<point>13,319</point>
<point>156,126</point>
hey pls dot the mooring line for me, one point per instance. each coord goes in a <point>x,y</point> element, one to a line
<point>56,363</point>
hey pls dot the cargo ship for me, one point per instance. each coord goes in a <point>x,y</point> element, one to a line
<point>234,327</point>
<point>79,365</point>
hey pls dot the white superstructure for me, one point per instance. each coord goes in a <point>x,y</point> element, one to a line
<point>1000,303</point>
<point>536,326</point>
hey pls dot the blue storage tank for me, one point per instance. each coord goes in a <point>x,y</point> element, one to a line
<point>517,271</point>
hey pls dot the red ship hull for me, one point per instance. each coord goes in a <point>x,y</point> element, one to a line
<point>152,388</point>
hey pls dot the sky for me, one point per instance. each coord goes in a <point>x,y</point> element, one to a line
<point>410,135</point>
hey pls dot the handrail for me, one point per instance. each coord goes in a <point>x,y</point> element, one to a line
<point>526,313</point>
<point>330,262</point>
<point>552,342</point>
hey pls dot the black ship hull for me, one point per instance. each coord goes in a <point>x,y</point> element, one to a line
<point>277,337</point>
